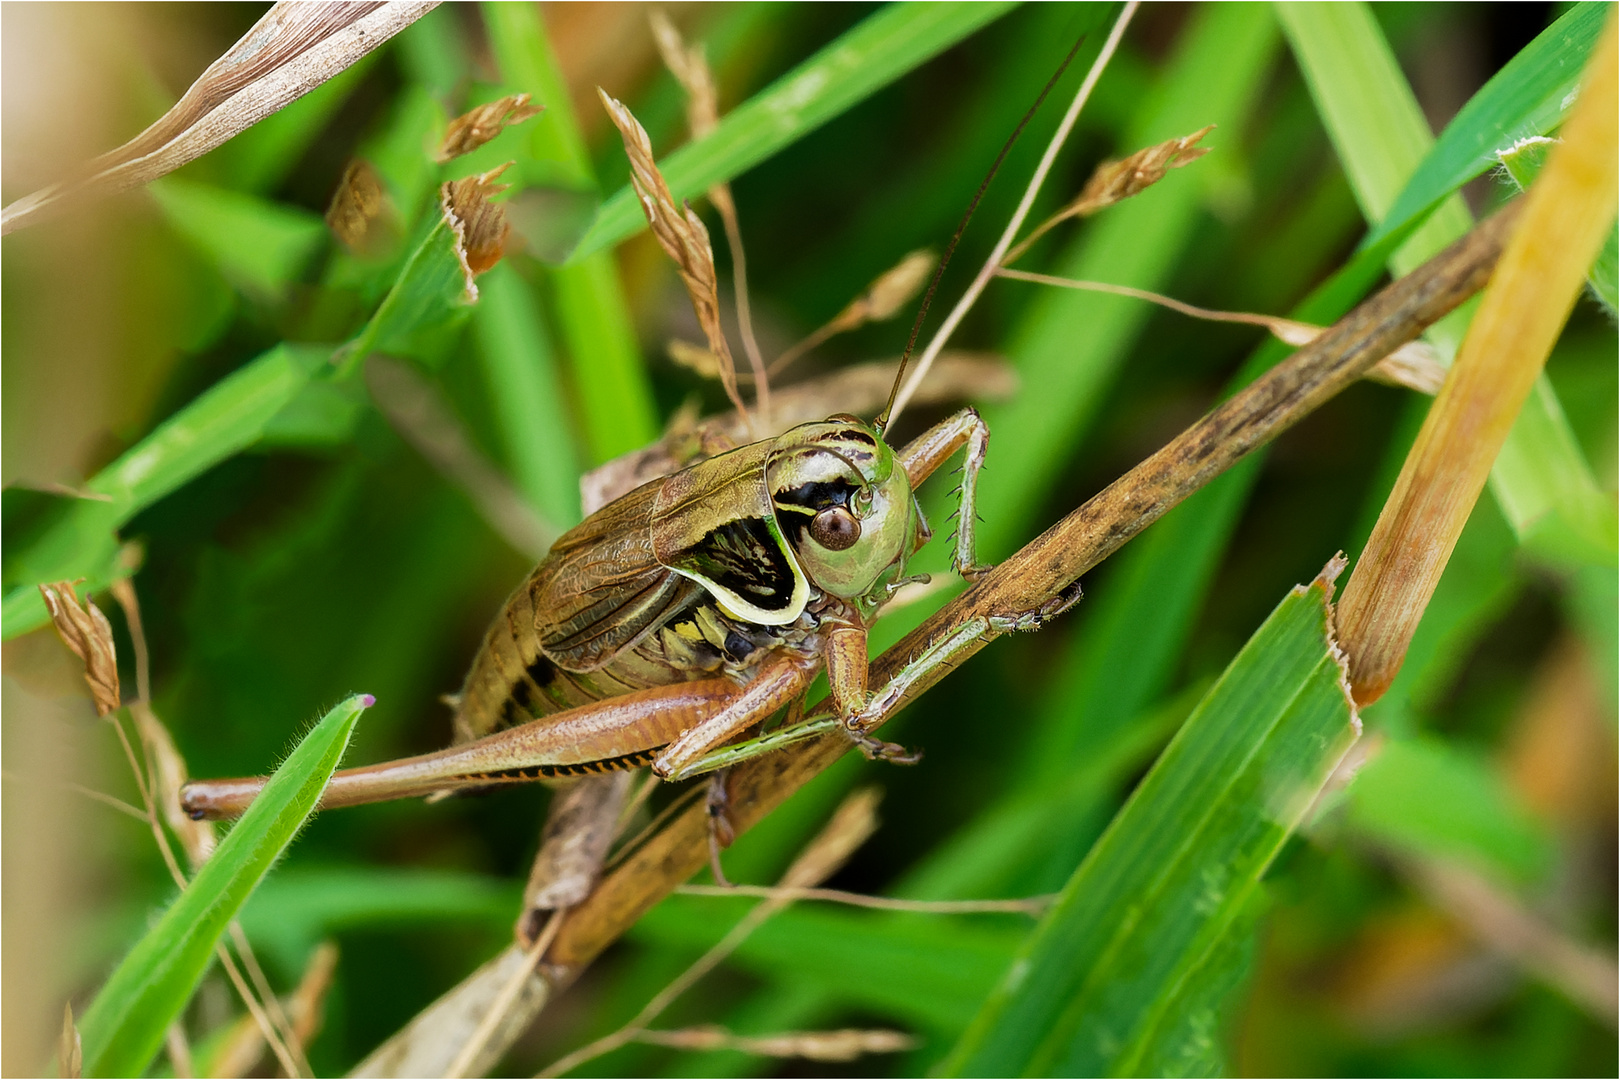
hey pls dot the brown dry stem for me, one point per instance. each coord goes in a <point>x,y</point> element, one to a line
<point>479,125</point>
<point>1115,181</point>
<point>683,237</point>
<point>1565,216</point>
<point>851,825</point>
<point>1045,568</point>
<point>294,48</point>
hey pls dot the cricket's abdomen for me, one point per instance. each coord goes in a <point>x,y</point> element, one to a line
<point>514,681</point>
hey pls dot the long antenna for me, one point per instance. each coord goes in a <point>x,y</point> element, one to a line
<point>882,420</point>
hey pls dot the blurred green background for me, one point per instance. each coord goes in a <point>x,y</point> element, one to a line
<point>331,558</point>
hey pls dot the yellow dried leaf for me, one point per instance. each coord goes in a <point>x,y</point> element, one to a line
<point>86,631</point>
<point>480,224</point>
<point>1566,214</point>
<point>477,126</point>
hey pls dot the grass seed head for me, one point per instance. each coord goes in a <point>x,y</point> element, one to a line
<point>85,630</point>
<point>477,126</point>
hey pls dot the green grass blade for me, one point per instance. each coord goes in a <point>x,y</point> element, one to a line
<point>867,58</point>
<point>594,317</point>
<point>292,912</point>
<point>1523,162</point>
<point>1069,345</point>
<point>928,969</point>
<point>520,369</point>
<point>614,396</point>
<point>226,419</point>
<point>428,302</point>
<point>125,1024</point>
<point>1531,95</point>
<point>1381,138</point>
<point>1154,905</point>
<point>259,245</point>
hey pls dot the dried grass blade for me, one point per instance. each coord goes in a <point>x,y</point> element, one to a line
<point>845,1044</point>
<point>294,48</point>
<point>1566,214</point>
<point>683,237</point>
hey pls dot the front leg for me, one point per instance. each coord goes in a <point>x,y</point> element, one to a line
<point>928,451</point>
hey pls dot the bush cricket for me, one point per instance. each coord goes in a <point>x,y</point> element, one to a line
<point>697,605</point>
<point>686,612</point>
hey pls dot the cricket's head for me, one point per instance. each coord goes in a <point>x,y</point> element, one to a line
<point>843,503</point>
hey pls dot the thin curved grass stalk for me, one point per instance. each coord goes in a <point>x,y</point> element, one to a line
<point>942,336</point>
<point>1031,905</point>
<point>1415,365</point>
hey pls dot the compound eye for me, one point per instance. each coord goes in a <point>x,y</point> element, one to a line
<point>835,529</point>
